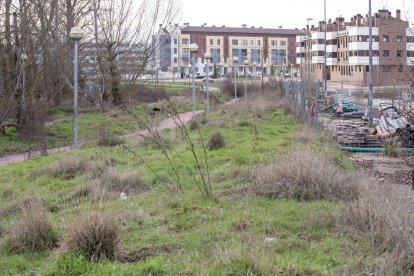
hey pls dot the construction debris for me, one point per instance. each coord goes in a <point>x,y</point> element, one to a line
<point>351,133</point>
<point>393,124</point>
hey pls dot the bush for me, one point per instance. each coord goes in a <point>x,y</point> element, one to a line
<point>305,175</point>
<point>216,141</point>
<point>194,125</point>
<point>111,180</point>
<point>67,167</point>
<point>33,233</point>
<point>106,138</point>
<point>381,219</point>
<point>96,236</point>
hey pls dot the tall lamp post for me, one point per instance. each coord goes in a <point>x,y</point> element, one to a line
<point>308,55</point>
<point>76,34</point>
<point>23,58</point>
<point>235,61</point>
<point>246,63</point>
<point>193,49</point>
<point>207,57</point>
<point>254,64</point>
<point>370,86</point>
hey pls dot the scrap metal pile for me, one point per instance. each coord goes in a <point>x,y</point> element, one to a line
<point>393,125</point>
<point>348,125</point>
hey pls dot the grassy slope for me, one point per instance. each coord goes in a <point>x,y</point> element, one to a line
<point>208,237</point>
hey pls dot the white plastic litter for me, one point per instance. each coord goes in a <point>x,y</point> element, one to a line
<point>270,239</point>
<point>123,196</point>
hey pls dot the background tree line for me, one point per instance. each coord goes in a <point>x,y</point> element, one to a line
<point>39,30</point>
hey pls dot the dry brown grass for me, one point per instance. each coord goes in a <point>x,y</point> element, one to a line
<point>382,220</point>
<point>33,233</point>
<point>304,175</point>
<point>106,138</point>
<point>112,180</point>
<point>96,236</point>
<point>67,167</point>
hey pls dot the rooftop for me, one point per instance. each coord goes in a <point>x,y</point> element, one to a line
<point>241,30</point>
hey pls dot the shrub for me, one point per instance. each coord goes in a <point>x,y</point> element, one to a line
<point>96,236</point>
<point>106,138</point>
<point>111,180</point>
<point>382,220</point>
<point>194,125</point>
<point>33,233</point>
<point>67,167</point>
<point>305,175</point>
<point>216,141</point>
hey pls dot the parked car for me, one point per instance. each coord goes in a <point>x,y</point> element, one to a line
<point>208,79</point>
<point>222,79</point>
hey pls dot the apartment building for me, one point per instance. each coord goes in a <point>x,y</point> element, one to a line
<point>271,51</point>
<point>347,50</point>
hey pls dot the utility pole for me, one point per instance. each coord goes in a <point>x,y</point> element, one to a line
<point>370,87</point>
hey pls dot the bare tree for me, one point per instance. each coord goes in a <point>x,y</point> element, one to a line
<point>125,32</point>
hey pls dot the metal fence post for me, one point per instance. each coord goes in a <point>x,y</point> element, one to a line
<point>303,100</point>
<point>317,106</point>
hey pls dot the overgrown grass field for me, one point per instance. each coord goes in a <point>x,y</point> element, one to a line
<point>167,231</point>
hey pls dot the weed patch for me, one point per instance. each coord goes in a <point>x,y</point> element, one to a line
<point>96,236</point>
<point>33,233</point>
<point>305,175</point>
<point>216,141</point>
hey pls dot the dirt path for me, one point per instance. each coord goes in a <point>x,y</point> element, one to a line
<point>392,170</point>
<point>164,124</point>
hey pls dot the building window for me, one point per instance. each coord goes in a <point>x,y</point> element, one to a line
<point>283,43</point>
<point>218,42</point>
<point>211,41</point>
<point>385,53</point>
<point>386,68</point>
<point>255,55</point>
<point>251,42</point>
<point>385,38</point>
<point>400,53</point>
<point>244,42</point>
<point>258,43</point>
<point>234,42</point>
<point>175,60</point>
<point>185,41</point>
<point>215,55</point>
<point>274,43</point>
<point>175,41</point>
<point>399,38</point>
<point>175,50</point>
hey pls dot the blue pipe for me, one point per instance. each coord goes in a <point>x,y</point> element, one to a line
<point>373,150</point>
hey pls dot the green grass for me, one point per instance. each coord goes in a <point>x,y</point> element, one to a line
<point>61,134</point>
<point>225,236</point>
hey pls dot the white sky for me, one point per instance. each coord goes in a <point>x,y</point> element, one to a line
<point>286,13</point>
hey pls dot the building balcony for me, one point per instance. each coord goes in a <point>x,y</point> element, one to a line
<point>355,46</point>
<point>318,59</point>
<point>300,49</point>
<point>410,46</point>
<point>331,61</point>
<point>363,60</point>
<point>410,61</point>
<point>318,47</point>
<point>331,48</point>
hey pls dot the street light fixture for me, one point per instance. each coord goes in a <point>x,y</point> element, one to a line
<point>76,34</point>
<point>235,61</point>
<point>193,49</point>
<point>207,57</point>
<point>23,58</point>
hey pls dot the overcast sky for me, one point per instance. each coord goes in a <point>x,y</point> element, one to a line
<point>286,13</point>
